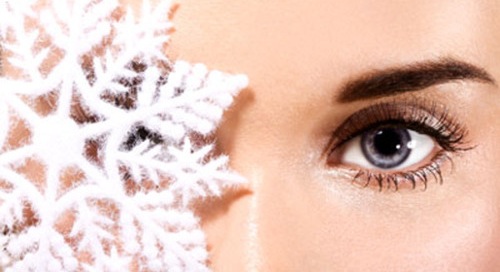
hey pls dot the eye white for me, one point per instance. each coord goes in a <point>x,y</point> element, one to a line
<point>420,146</point>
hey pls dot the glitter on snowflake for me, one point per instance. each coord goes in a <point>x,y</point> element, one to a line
<point>104,140</point>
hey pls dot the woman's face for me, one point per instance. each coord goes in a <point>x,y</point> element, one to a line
<point>348,100</point>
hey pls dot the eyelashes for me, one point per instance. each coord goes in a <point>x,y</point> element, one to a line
<point>348,148</point>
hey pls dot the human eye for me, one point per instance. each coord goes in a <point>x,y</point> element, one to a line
<point>394,144</point>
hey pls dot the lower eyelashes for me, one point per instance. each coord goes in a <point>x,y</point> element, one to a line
<point>391,144</point>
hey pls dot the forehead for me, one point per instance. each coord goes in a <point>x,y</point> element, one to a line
<point>291,35</point>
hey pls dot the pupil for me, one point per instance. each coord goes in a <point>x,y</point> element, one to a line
<point>387,142</point>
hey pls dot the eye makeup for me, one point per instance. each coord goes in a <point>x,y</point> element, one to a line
<point>424,117</point>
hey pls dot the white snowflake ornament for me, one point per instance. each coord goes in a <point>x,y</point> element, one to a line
<point>104,140</point>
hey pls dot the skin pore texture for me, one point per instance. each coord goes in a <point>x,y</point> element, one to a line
<point>298,213</point>
<point>303,209</point>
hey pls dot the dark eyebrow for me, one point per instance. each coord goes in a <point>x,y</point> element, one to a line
<point>409,78</point>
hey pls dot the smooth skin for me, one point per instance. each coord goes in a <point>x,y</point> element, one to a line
<point>300,214</point>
